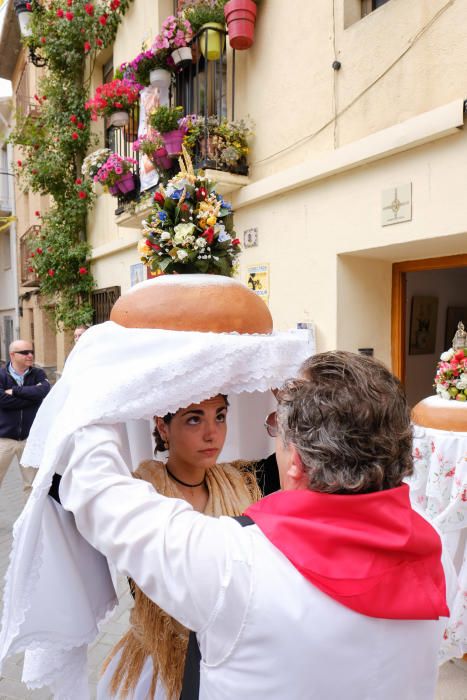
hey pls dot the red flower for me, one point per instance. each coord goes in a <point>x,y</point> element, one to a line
<point>103,20</point>
<point>115,4</point>
<point>159,198</point>
<point>30,269</point>
<point>69,3</point>
<point>39,251</point>
<point>89,8</point>
<point>78,181</point>
<point>73,119</point>
<point>201,193</point>
<point>236,241</point>
<point>28,6</point>
<point>83,271</point>
<point>60,12</point>
<point>44,97</point>
<point>37,213</point>
<point>19,163</point>
<point>74,136</point>
<point>99,42</point>
<point>34,171</point>
<point>43,40</point>
<point>51,273</point>
<point>33,255</point>
<point>87,46</point>
<point>82,194</point>
<point>209,235</point>
<point>69,15</point>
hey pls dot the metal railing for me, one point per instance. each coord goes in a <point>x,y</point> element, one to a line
<point>102,301</point>
<point>120,140</point>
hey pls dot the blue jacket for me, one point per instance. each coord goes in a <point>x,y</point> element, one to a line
<point>17,412</point>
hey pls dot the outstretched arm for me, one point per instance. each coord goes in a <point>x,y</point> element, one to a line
<point>179,558</point>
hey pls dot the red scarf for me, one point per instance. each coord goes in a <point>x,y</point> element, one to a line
<point>371,552</point>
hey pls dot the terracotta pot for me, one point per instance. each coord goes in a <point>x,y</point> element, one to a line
<point>212,40</point>
<point>240,16</point>
<point>173,141</point>
<point>120,118</point>
<point>126,183</point>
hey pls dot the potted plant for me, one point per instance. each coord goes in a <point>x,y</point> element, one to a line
<point>166,121</point>
<point>116,174</point>
<point>176,33</point>
<point>113,100</point>
<point>91,165</point>
<point>138,71</point>
<point>240,16</point>
<point>218,143</point>
<point>152,145</point>
<point>208,22</point>
<point>195,236</point>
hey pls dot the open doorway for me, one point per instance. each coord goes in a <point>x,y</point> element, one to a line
<point>429,297</point>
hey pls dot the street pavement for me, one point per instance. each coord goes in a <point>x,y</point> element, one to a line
<point>453,675</point>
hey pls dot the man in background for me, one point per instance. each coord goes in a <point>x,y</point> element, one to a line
<point>23,387</point>
<point>78,332</point>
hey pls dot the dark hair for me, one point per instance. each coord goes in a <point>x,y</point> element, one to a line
<point>349,420</point>
<point>160,445</point>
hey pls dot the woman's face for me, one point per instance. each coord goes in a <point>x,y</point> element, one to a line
<point>196,434</point>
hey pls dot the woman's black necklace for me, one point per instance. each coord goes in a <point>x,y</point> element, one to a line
<point>183,483</point>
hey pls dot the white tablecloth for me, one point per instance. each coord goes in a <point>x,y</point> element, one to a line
<point>438,487</point>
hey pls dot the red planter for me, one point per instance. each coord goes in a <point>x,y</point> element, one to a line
<point>173,141</point>
<point>126,183</point>
<point>161,159</point>
<point>240,16</point>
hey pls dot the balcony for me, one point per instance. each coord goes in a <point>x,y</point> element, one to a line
<point>27,243</point>
<point>5,194</point>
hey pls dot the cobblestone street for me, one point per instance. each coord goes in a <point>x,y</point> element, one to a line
<point>453,675</point>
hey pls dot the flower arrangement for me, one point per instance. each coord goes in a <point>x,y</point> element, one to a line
<point>226,143</point>
<point>137,71</point>
<point>200,12</point>
<point>190,228</point>
<point>94,161</point>
<point>149,143</point>
<point>176,32</point>
<point>165,119</point>
<point>118,95</point>
<point>451,375</point>
<point>113,169</point>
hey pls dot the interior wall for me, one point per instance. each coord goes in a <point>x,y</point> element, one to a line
<point>450,288</point>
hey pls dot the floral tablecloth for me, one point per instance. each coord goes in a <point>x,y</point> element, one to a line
<point>438,487</point>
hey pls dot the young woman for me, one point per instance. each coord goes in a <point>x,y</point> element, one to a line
<point>148,661</point>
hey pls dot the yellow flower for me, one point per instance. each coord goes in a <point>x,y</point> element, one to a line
<point>211,221</point>
<point>143,249</point>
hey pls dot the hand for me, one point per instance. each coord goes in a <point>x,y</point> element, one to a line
<point>9,392</point>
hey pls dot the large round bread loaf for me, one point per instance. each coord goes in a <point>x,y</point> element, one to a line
<point>441,414</point>
<point>193,303</point>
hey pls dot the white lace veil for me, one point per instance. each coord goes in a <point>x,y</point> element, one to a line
<point>58,589</point>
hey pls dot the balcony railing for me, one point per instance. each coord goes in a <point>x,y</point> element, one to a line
<point>27,243</point>
<point>102,302</point>
<point>120,140</point>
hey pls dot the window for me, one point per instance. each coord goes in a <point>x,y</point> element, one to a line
<point>6,249</point>
<point>102,302</point>
<point>370,5</point>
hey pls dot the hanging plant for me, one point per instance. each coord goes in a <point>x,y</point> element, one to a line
<point>54,142</point>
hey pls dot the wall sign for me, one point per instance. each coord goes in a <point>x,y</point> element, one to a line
<point>396,205</point>
<point>257,279</point>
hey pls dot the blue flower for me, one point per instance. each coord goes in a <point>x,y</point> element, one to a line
<point>225,205</point>
<point>162,215</point>
<point>176,194</point>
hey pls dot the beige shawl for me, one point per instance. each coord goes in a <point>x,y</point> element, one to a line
<point>232,488</point>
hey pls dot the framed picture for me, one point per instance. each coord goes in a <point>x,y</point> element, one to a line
<point>454,314</point>
<point>423,319</point>
<point>136,274</point>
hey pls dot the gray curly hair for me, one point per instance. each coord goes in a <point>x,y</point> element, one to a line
<point>349,420</point>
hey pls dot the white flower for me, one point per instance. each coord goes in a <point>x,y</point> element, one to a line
<point>446,356</point>
<point>461,384</point>
<point>181,254</point>
<point>182,231</point>
<point>200,243</point>
<point>223,235</point>
<point>165,235</point>
<point>443,392</point>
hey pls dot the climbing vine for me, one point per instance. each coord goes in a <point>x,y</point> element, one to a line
<point>54,138</point>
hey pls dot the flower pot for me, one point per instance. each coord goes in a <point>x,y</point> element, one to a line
<point>159,77</point>
<point>120,118</point>
<point>126,183</point>
<point>173,141</point>
<point>114,190</point>
<point>212,40</point>
<point>97,188</point>
<point>240,16</point>
<point>161,159</point>
<point>182,56</point>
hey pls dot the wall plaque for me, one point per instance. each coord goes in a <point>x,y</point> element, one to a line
<point>396,205</point>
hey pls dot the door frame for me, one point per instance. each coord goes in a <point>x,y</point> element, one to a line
<point>398,304</point>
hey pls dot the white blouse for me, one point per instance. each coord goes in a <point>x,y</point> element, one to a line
<point>264,631</point>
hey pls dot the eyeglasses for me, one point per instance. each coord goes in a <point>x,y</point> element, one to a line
<point>271,425</point>
<point>23,352</point>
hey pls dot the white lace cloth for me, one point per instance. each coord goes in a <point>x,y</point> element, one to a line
<point>438,488</point>
<point>58,589</point>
